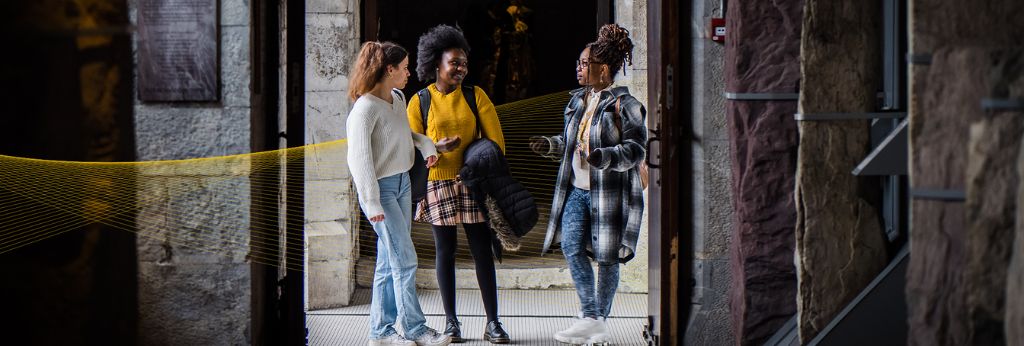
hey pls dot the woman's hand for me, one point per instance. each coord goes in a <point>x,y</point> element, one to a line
<point>377,218</point>
<point>431,161</point>
<point>447,144</point>
<point>594,159</point>
<point>539,145</point>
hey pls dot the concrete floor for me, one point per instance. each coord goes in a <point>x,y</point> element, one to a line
<point>531,317</point>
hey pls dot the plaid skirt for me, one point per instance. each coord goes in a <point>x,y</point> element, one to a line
<point>448,203</point>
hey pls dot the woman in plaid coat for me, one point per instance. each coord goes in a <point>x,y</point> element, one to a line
<point>599,195</point>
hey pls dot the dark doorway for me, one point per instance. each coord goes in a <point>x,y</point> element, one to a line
<point>68,280</point>
<point>543,53</point>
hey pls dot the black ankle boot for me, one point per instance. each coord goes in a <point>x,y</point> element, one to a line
<point>495,333</point>
<point>451,328</point>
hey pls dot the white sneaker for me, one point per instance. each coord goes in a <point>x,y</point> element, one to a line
<point>392,340</point>
<point>584,331</point>
<point>432,338</point>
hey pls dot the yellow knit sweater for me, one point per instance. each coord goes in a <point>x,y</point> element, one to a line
<point>450,116</point>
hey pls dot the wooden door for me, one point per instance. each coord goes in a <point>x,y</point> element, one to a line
<point>670,193</point>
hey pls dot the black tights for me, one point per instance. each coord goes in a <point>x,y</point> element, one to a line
<point>446,241</point>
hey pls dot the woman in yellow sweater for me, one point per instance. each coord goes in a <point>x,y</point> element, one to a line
<point>443,56</point>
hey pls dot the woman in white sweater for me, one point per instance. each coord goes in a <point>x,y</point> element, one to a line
<point>380,154</point>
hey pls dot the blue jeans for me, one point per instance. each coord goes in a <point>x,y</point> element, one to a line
<point>594,301</point>
<point>394,280</point>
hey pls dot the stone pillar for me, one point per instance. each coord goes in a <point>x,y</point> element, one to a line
<point>945,101</point>
<point>189,296</point>
<point>710,322</point>
<point>1015,281</point>
<point>992,185</point>
<point>630,15</point>
<point>332,43</point>
<point>840,245</point>
<point>762,56</point>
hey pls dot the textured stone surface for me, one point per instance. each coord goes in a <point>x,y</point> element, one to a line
<point>332,43</point>
<point>944,102</point>
<point>991,200</point>
<point>194,304</point>
<point>991,203</point>
<point>1015,280</point>
<point>938,285</point>
<point>630,14</point>
<point>710,322</point>
<point>762,55</point>
<point>197,294</point>
<point>327,161</point>
<point>840,245</point>
<point>330,264</point>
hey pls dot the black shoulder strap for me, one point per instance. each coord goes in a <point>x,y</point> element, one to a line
<point>398,94</point>
<point>424,106</point>
<point>469,93</point>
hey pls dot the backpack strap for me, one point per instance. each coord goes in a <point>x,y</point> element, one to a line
<point>398,94</point>
<point>469,93</point>
<point>424,106</point>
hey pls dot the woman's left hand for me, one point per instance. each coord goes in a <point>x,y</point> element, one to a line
<point>431,161</point>
<point>594,159</point>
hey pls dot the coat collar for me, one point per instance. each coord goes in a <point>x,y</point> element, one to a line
<point>615,92</point>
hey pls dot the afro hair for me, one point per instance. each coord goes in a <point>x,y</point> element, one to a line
<point>432,45</point>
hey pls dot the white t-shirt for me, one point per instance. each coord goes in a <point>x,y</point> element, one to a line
<point>580,167</point>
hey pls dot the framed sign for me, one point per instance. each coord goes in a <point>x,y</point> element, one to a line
<point>178,50</point>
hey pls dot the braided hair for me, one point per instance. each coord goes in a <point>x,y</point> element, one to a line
<point>613,48</point>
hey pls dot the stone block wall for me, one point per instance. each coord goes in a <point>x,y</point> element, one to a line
<point>632,15</point>
<point>762,50</point>
<point>332,44</point>
<point>710,322</point>
<point>956,284</point>
<point>189,295</point>
<point>840,244</point>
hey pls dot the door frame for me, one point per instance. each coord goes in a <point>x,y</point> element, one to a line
<point>670,194</point>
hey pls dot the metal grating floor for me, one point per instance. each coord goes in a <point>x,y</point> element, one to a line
<point>530,317</point>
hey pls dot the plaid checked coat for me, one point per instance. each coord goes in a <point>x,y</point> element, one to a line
<point>615,189</point>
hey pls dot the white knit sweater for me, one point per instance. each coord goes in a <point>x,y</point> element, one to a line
<point>380,144</point>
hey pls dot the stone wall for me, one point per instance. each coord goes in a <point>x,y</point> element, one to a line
<point>762,56</point>
<point>710,322</point>
<point>840,245</point>
<point>1015,280</point>
<point>189,296</point>
<point>630,14</point>
<point>332,44</point>
<point>944,301</point>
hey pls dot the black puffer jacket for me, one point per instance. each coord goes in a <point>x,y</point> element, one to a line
<point>510,208</point>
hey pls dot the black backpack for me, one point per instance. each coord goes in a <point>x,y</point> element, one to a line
<point>418,173</point>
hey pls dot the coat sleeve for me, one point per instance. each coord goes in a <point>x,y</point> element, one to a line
<point>630,152</point>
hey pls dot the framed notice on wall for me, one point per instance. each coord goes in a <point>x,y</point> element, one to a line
<point>178,50</point>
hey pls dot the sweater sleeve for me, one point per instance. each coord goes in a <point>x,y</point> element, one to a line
<point>415,118</point>
<point>488,118</point>
<point>359,126</point>
<point>424,144</point>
